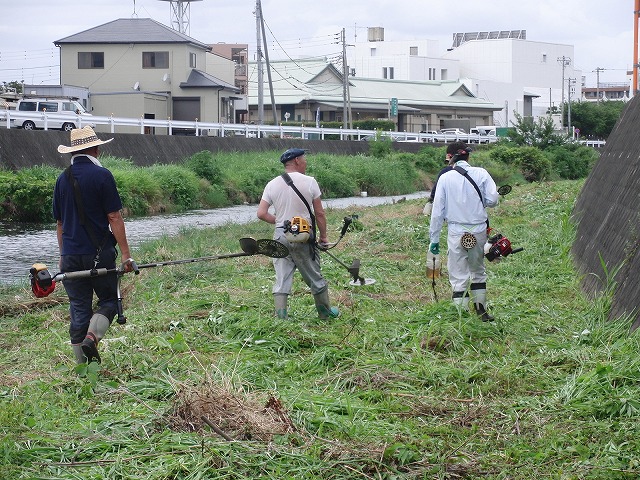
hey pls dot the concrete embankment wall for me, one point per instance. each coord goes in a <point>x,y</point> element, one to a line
<point>608,215</point>
<point>23,149</point>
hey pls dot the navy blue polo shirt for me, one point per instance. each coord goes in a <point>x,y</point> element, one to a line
<point>99,198</point>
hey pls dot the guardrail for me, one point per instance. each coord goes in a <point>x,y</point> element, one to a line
<point>9,118</point>
<point>593,143</point>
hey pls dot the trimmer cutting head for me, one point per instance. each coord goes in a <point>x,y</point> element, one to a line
<point>264,246</point>
<point>357,280</point>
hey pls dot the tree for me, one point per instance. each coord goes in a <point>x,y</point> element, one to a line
<point>8,86</point>
<point>596,119</point>
<point>540,134</point>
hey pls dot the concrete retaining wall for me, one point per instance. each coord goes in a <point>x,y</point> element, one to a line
<point>608,211</point>
<point>22,149</point>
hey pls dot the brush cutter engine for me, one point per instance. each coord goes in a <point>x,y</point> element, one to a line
<point>297,230</point>
<point>41,282</point>
<point>499,247</point>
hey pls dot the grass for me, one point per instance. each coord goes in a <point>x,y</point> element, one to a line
<point>399,387</point>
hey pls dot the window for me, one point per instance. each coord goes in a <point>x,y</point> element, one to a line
<point>384,72</point>
<point>48,106</point>
<point>432,74</point>
<point>544,58</point>
<point>192,60</point>
<point>72,107</point>
<point>443,74</point>
<point>391,73</point>
<point>387,72</point>
<point>155,59</point>
<point>413,51</point>
<point>373,52</point>
<point>90,59</point>
<point>27,106</point>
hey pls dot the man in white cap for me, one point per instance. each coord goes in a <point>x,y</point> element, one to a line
<point>86,206</point>
<point>295,194</point>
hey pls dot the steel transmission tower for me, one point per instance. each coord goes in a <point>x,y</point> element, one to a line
<point>181,15</point>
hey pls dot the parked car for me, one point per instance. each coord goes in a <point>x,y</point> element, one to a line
<point>59,107</point>
<point>453,131</point>
<point>448,135</point>
<point>482,134</point>
<point>432,135</point>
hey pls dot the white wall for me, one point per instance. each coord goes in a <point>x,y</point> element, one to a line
<point>503,70</point>
<point>368,64</point>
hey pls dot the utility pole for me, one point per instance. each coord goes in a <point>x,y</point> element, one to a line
<point>259,64</point>
<point>345,82</point>
<point>570,83</point>
<point>565,62</point>
<point>266,57</point>
<point>598,70</point>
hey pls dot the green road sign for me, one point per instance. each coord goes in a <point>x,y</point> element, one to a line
<point>394,107</point>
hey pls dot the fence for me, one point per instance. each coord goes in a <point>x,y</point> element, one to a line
<point>11,118</point>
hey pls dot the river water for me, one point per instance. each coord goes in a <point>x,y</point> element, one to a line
<point>25,244</point>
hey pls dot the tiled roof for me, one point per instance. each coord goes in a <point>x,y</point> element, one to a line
<point>319,81</point>
<point>131,30</point>
<point>200,79</point>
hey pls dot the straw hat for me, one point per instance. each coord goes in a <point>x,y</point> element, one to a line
<point>82,138</point>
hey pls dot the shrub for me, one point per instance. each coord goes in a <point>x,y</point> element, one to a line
<point>430,159</point>
<point>571,162</point>
<point>28,196</point>
<point>179,185</point>
<point>116,163</point>
<point>204,165</point>
<point>395,177</point>
<point>534,165</point>
<point>506,154</point>
<point>140,192</point>
<point>212,196</point>
<point>381,146</point>
<point>334,180</point>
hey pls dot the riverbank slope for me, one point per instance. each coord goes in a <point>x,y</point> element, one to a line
<point>399,386</point>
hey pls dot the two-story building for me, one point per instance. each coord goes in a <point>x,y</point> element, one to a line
<point>140,68</point>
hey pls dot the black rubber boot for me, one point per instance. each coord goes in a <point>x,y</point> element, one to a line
<point>90,349</point>
<point>483,314</point>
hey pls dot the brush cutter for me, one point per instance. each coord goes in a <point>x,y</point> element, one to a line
<point>354,269</point>
<point>498,247</point>
<point>43,283</point>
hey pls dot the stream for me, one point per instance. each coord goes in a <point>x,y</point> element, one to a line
<point>25,244</point>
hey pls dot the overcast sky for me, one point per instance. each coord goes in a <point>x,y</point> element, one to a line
<point>601,31</point>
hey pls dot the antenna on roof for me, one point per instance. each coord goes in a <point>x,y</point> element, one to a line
<point>134,14</point>
<point>181,15</point>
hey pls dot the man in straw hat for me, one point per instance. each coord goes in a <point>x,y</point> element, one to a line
<point>86,206</point>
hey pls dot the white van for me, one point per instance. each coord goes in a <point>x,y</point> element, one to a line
<point>58,109</point>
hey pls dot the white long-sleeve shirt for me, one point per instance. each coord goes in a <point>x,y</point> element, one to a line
<point>457,202</point>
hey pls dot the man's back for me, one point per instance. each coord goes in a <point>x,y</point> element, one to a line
<point>286,201</point>
<point>457,201</point>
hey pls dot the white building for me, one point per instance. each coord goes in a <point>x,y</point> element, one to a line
<point>504,68</point>
<point>401,60</point>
